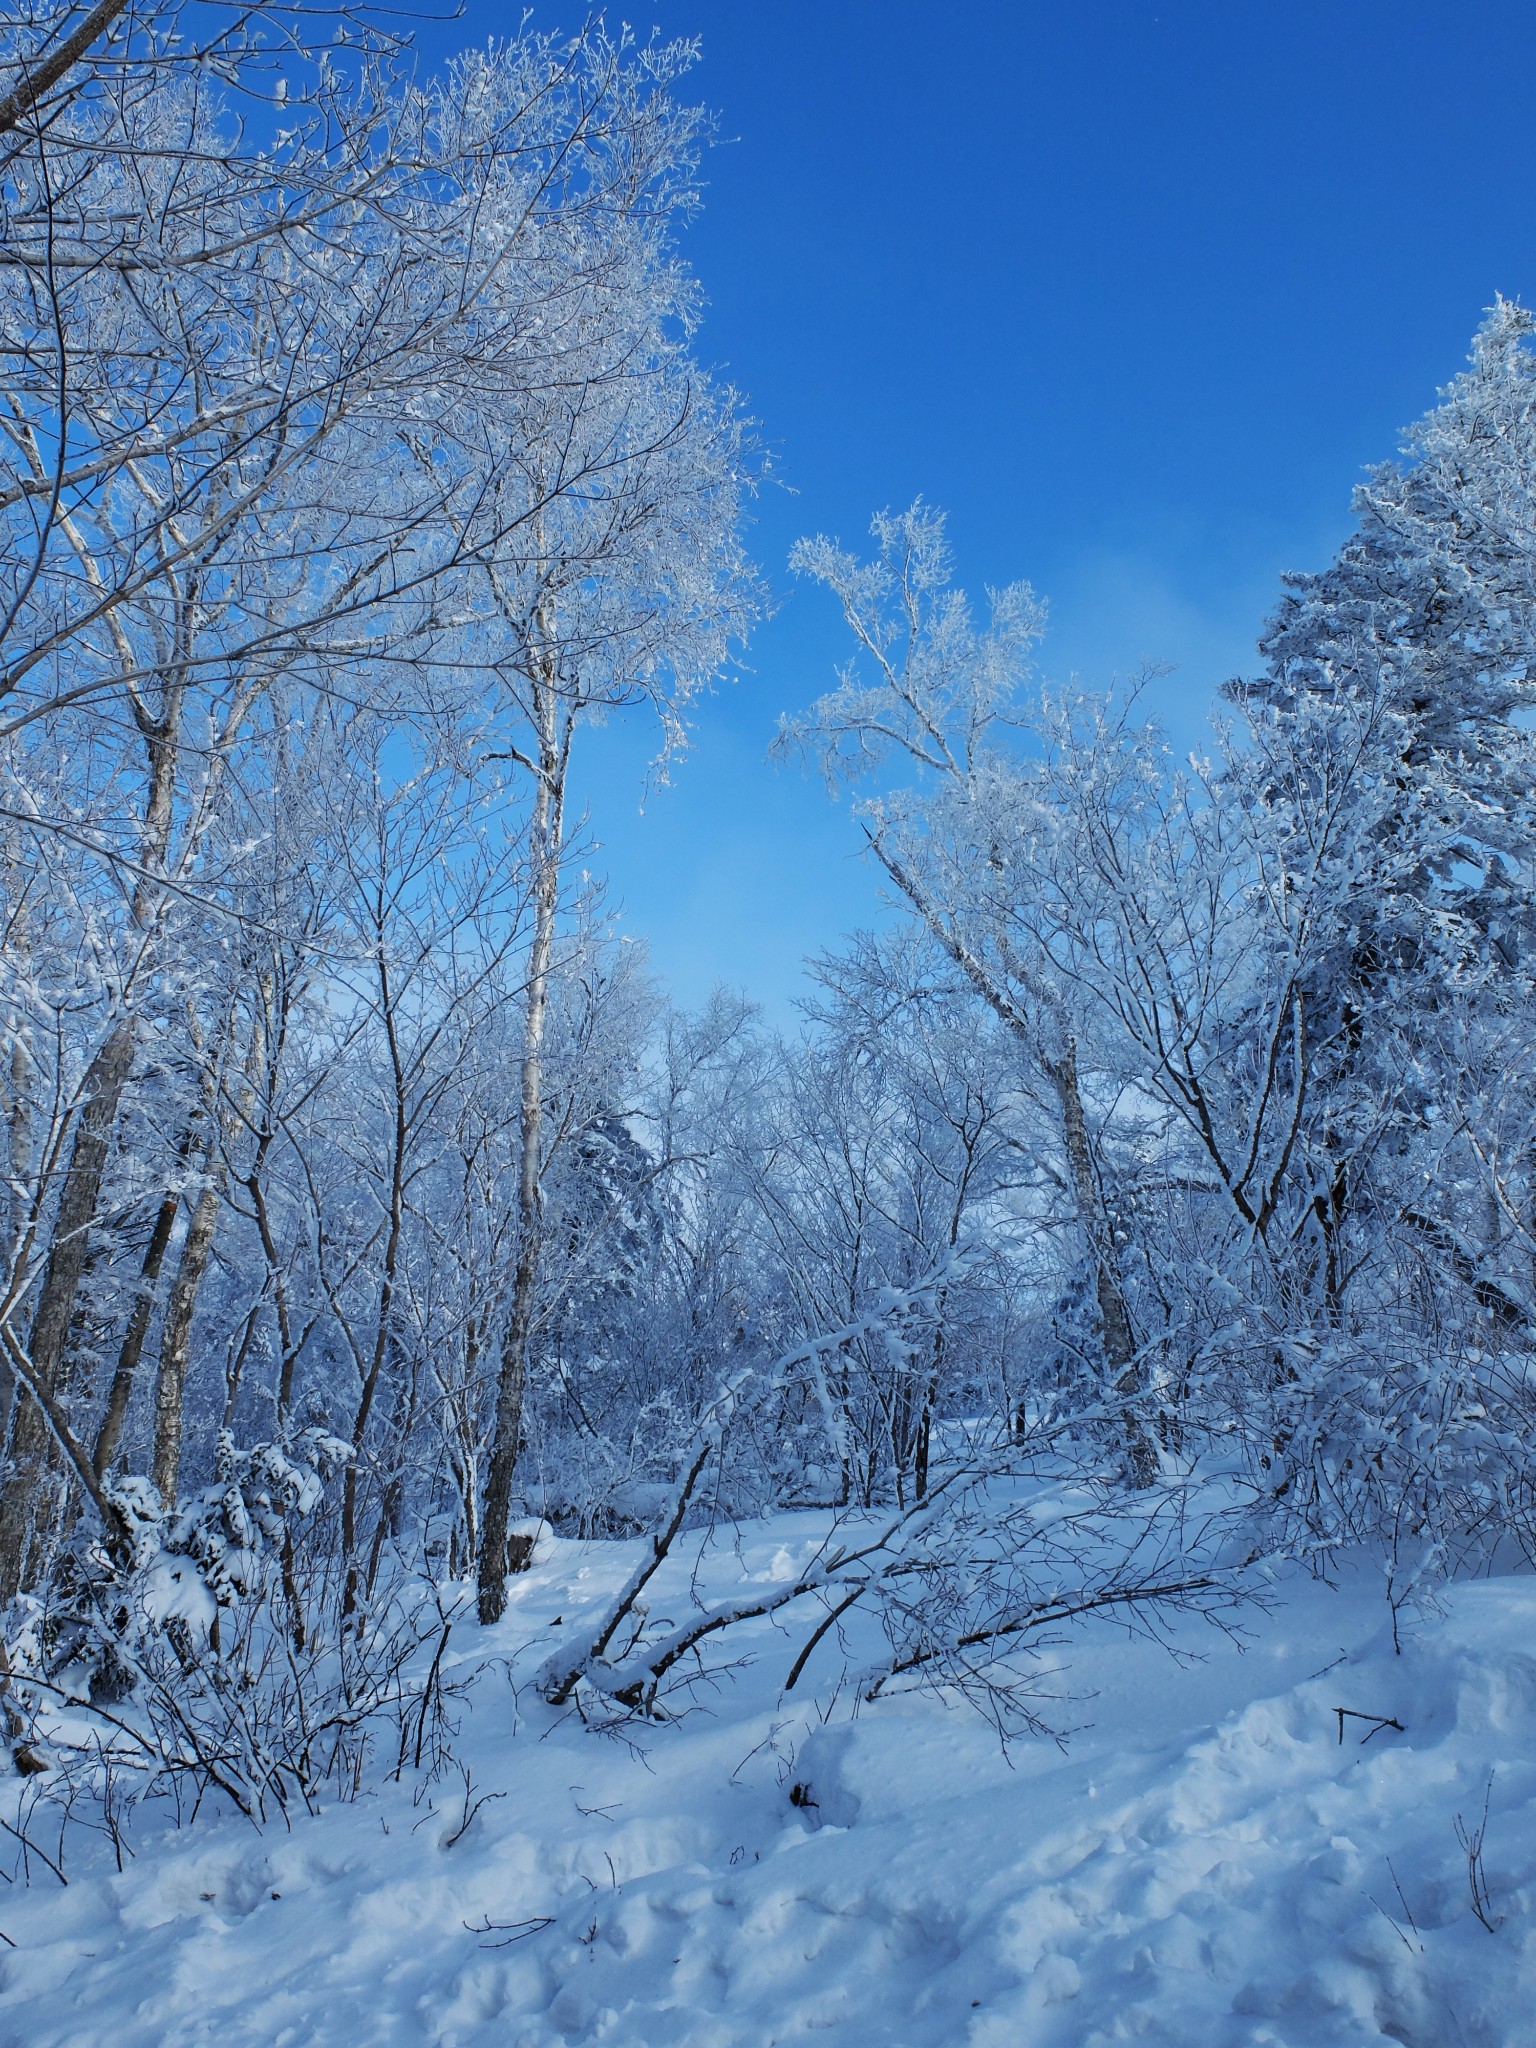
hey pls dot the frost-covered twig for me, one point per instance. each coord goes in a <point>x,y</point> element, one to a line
<point>559,1675</point>
<point>958,1579</point>
<point>1471,1840</point>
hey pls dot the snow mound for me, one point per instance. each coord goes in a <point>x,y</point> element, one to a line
<point>1206,1862</point>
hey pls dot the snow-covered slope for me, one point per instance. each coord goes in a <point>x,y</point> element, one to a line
<point>1205,1863</point>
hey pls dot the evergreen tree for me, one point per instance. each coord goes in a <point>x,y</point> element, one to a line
<point>1421,637</point>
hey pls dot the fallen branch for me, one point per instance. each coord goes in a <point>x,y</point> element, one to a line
<point>1378,1722</point>
<point>559,1676</point>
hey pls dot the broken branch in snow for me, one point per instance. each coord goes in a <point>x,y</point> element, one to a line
<point>975,1566</point>
<point>514,1930</point>
<point>1378,1722</point>
<point>634,1679</point>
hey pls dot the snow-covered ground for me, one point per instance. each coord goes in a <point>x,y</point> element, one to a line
<point>1204,1863</point>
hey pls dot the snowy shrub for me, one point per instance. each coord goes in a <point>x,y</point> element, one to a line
<point>230,1653</point>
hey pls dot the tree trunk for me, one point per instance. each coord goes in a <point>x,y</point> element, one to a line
<point>48,67</point>
<point>176,1342</point>
<point>496,1556</point>
<point>383,1330</point>
<point>32,1446</point>
<point>1121,1368</point>
<point>132,1348</point>
<point>18,1117</point>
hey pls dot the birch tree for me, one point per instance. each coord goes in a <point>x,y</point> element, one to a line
<point>287,420</point>
<point>629,590</point>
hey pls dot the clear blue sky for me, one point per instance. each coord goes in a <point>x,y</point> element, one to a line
<point>1133,288</point>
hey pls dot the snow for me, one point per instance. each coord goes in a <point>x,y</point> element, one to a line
<point>1203,1862</point>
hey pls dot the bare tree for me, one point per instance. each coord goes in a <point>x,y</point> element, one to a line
<point>942,699</point>
<point>631,591</point>
<point>286,430</point>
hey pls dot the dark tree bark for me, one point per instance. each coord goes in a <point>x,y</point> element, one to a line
<point>33,1443</point>
<point>176,1342</point>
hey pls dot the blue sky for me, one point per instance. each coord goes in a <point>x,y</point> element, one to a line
<point>1133,288</point>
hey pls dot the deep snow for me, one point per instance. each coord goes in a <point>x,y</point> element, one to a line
<point>1204,1863</point>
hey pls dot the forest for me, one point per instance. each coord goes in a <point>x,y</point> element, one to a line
<point>1146,1210</point>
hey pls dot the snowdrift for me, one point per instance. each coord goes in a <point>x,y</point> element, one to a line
<point>1216,1856</point>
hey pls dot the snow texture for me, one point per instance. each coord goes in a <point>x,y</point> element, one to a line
<point>1205,1861</point>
